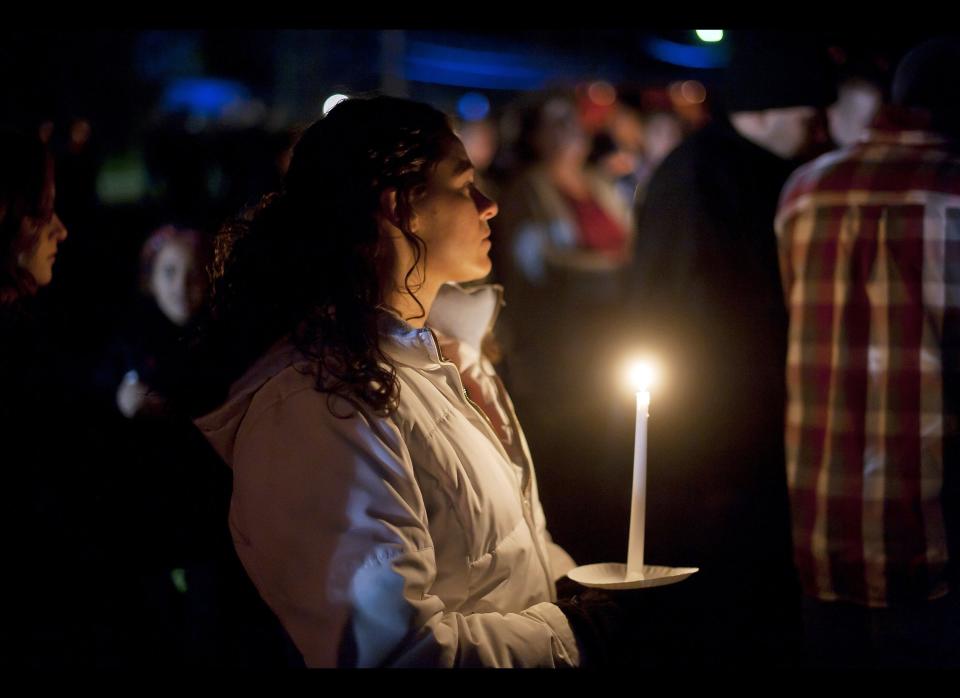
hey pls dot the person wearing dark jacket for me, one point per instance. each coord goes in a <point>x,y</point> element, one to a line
<point>705,298</point>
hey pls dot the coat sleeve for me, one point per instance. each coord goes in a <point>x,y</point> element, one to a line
<point>329,522</point>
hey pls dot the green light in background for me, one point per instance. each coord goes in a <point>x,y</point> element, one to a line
<point>179,578</point>
<point>122,179</point>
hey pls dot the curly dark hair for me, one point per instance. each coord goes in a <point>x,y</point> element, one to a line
<point>308,262</point>
<point>26,178</point>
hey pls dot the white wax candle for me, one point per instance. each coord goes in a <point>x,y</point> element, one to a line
<point>638,505</point>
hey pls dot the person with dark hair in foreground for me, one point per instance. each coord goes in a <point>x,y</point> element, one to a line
<point>870,256</point>
<point>384,502</point>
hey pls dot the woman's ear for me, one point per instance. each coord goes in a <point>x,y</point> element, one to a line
<point>388,207</point>
<point>388,210</point>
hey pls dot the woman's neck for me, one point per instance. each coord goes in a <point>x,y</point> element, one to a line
<point>406,305</point>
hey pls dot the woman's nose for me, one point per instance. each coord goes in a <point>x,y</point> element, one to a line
<point>61,230</point>
<point>487,207</point>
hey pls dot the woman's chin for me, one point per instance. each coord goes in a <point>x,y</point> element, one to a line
<point>43,277</point>
<point>483,270</point>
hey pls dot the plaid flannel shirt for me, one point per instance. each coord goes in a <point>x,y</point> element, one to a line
<point>869,242</point>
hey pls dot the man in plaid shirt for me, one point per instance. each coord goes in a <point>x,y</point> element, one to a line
<point>869,242</point>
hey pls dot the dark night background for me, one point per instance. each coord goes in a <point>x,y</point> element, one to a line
<point>187,124</point>
<point>190,125</point>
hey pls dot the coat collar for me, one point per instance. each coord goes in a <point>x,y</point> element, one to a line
<point>903,126</point>
<point>463,314</point>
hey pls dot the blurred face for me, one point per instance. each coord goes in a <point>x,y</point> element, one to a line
<point>480,140</point>
<point>561,137</point>
<point>792,130</point>
<point>177,283</point>
<point>664,133</point>
<point>46,233</point>
<point>452,220</point>
<point>857,103</point>
<point>627,129</point>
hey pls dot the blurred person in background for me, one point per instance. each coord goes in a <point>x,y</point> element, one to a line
<point>152,352</point>
<point>481,140</point>
<point>625,123</point>
<point>663,131</point>
<point>558,215</point>
<point>64,582</point>
<point>202,610</point>
<point>870,255</point>
<point>564,236</point>
<point>706,300</point>
<point>858,101</point>
<point>614,163</point>
<point>863,81</point>
<point>644,126</point>
<point>77,167</point>
<point>177,489</point>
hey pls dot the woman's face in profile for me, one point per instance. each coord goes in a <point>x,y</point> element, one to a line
<point>46,232</point>
<point>176,282</point>
<point>452,220</point>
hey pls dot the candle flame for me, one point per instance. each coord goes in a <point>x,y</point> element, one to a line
<point>642,375</point>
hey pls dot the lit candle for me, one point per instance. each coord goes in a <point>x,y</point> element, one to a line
<point>641,376</point>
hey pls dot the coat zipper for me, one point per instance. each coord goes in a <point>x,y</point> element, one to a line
<point>525,505</point>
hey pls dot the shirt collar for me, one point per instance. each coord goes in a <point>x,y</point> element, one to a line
<point>902,126</point>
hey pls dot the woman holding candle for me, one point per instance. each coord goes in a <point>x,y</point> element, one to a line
<point>384,500</point>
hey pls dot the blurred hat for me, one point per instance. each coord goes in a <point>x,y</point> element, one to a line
<point>929,76</point>
<point>771,70</point>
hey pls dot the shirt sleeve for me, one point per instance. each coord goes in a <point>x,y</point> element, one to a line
<point>330,524</point>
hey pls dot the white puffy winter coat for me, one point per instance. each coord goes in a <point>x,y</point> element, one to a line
<point>410,540</point>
